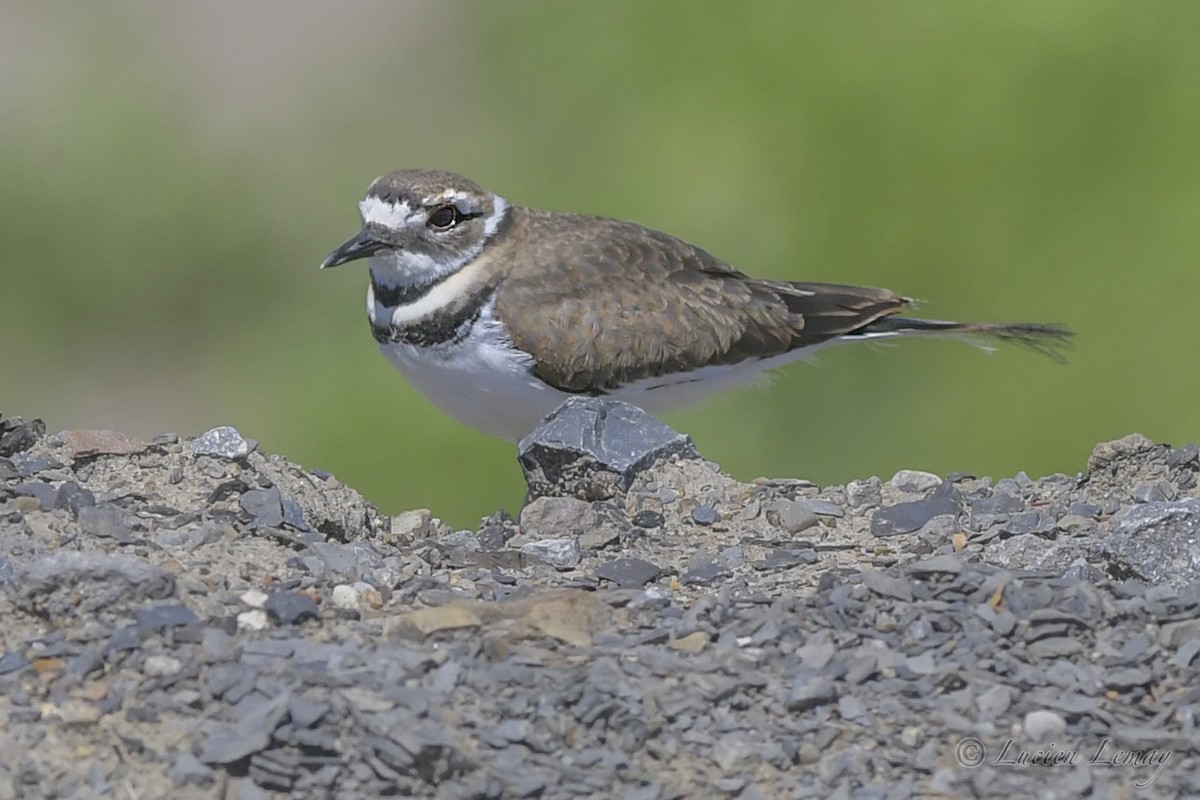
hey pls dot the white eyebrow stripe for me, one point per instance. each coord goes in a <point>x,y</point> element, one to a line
<point>450,195</point>
<point>390,215</point>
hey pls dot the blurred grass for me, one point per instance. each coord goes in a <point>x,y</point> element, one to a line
<point>173,173</point>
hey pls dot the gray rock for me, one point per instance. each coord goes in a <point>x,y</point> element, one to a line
<point>909,517</point>
<point>705,515</point>
<point>706,574</point>
<point>557,517</point>
<point>864,494</point>
<point>887,585</point>
<point>290,608</point>
<point>592,448</point>
<point>190,771</point>
<point>73,497</point>
<point>947,564</point>
<point>157,619</point>
<point>229,743</point>
<point>222,442</point>
<point>265,506</point>
<point>105,522</point>
<point>628,572</point>
<point>1158,541</point>
<point>560,553</point>
<point>998,503</point>
<point>13,661</point>
<point>791,515</point>
<point>812,693</point>
<point>1044,726</point>
<point>16,438</point>
<point>44,493</point>
<point>914,481</point>
<point>28,465</point>
<point>1038,523</point>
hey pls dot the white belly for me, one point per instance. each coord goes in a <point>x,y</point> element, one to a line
<point>481,381</point>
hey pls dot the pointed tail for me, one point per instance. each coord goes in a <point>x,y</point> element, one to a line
<point>1047,339</point>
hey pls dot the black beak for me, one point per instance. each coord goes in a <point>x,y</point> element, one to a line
<point>362,245</point>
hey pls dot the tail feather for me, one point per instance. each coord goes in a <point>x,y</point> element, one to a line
<point>1048,339</point>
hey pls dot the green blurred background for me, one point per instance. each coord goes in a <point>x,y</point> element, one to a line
<point>171,174</point>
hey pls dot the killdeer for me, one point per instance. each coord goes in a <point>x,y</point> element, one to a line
<point>498,313</point>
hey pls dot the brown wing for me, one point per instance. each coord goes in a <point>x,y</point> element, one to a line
<point>643,304</point>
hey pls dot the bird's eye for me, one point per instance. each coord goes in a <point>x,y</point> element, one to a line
<point>444,217</point>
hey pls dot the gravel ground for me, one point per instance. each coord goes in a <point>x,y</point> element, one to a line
<point>193,618</point>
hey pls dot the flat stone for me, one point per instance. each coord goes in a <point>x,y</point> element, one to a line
<point>1054,647</point>
<point>1038,523</point>
<point>908,517</point>
<point>705,515</point>
<point>95,443</point>
<point>13,661</point>
<point>628,572</point>
<point>290,608</point>
<point>998,503</point>
<point>825,509</point>
<point>592,448</point>
<point>945,564</point>
<point>191,771</point>
<point>251,734</point>
<point>157,619</point>
<point>105,522</point>
<point>706,574</point>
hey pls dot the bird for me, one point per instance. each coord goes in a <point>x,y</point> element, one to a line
<point>498,313</point>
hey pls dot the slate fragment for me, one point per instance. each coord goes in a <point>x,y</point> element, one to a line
<point>628,572</point>
<point>592,448</point>
<point>912,516</point>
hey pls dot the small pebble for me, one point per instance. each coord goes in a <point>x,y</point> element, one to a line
<point>1044,726</point>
